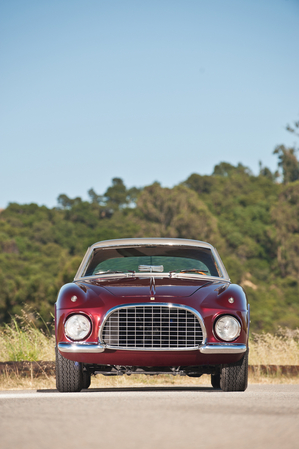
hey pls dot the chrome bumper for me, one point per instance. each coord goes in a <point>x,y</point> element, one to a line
<point>93,348</point>
<point>223,348</point>
<point>89,348</point>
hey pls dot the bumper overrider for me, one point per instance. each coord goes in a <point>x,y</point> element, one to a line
<point>212,348</point>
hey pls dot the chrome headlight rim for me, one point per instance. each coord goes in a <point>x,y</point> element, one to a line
<point>86,333</point>
<point>237,324</point>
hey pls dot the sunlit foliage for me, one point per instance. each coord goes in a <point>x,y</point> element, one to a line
<point>252,220</point>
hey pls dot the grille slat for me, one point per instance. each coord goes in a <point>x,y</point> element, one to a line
<point>150,327</point>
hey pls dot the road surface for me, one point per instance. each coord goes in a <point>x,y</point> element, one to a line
<point>265,416</point>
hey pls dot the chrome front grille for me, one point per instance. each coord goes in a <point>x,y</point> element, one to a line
<point>152,327</point>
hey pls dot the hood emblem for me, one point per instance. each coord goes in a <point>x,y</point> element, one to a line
<point>152,286</point>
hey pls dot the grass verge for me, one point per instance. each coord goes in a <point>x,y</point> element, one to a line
<point>22,340</point>
<point>17,382</point>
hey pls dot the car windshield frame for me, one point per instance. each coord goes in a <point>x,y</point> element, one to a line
<point>122,245</point>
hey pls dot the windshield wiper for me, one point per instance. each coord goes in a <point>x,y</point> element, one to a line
<point>189,270</point>
<point>115,272</point>
<point>194,270</point>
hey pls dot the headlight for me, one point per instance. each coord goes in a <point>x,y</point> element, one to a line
<point>77,327</point>
<point>227,328</point>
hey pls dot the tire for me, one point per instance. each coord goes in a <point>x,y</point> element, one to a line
<point>234,377</point>
<point>69,374</point>
<point>215,380</point>
<point>86,380</point>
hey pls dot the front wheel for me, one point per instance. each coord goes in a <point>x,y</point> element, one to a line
<point>69,374</point>
<point>234,377</point>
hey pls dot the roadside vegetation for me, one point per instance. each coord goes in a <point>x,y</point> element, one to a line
<point>22,340</point>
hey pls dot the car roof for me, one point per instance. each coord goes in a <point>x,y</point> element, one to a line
<point>148,241</point>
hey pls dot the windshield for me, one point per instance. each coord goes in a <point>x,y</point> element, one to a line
<point>160,259</point>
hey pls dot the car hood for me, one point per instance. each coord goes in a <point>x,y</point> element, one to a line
<point>145,287</point>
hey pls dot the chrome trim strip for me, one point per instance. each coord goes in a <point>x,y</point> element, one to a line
<point>248,319</point>
<point>79,348</point>
<point>149,275</point>
<point>117,348</point>
<point>223,348</point>
<point>118,243</point>
<point>158,304</point>
<point>197,276</point>
<point>220,263</point>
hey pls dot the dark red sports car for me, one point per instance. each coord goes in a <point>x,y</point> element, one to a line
<point>152,306</point>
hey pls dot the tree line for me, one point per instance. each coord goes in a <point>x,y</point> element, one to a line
<point>253,220</point>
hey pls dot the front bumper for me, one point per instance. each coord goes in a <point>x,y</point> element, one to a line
<point>81,348</point>
<point>94,348</point>
<point>223,348</point>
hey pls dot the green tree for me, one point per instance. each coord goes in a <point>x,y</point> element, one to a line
<point>200,184</point>
<point>176,212</point>
<point>266,172</point>
<point>285,215</point>
<point>288,163</point>
<point>226,169</point>
<point>95,198</point>
<point>293,128</point>
<point>116,196</point>
<point>67,203</point>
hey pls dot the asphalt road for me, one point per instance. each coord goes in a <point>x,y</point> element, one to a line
<point>143,418</point>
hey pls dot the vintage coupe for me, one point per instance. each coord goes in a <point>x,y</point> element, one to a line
<point>151,306</point>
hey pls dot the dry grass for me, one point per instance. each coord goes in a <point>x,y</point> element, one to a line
<point>279,349</point>
<point>173,381</point>
<point>272,379</point>
<point>14,382</point>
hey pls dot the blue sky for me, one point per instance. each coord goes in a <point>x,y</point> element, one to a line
<point>142,90</point>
